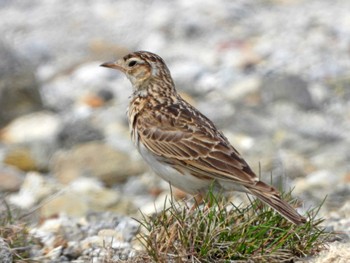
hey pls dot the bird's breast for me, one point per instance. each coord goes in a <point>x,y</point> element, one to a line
<point>183,180</point>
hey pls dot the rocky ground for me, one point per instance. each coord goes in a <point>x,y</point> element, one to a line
<point>273,75</point>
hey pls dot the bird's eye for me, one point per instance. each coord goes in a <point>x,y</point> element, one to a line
<point>132,63</point>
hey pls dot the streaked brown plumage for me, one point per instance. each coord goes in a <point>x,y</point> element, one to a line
<point>181,144</point>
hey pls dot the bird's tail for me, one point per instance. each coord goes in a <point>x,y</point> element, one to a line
<point>271,197</point>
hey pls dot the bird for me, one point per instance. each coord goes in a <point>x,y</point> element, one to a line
<point>181,144</point>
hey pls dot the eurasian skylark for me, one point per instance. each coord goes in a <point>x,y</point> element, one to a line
<point>182,145</point>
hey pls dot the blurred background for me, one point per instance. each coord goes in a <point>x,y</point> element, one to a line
<point>273,75</point>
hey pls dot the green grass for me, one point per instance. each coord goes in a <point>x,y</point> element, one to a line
<point>228,233</point>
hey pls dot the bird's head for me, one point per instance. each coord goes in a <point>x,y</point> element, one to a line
<point>142,68</point>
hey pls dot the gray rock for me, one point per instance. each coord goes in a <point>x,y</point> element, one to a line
<point>290,88</point>
<point>94,159</point>
<point>77,132</point>
<point>290,164</point>
<point>316,185</point>
<point>252,121</point>
<point>19,92</point>
<point>5,252</point>
<point>105,94</point>
<point>339,198</point>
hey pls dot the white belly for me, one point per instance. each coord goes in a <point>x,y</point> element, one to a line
<point>186,182</point>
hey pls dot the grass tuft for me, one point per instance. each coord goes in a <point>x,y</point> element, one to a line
<point>225,232</point>
<point>15,234</point>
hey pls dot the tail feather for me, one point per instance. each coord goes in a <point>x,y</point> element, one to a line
<point>271,197</point>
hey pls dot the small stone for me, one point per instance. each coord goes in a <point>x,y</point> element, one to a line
<point>21,158</point>
<point>33,190</point>
<point>11,179</point>
<point>109,229</point>
<point>77,132</point>
<point>124,206</point>
<point>70,203</point>
<point>94,159</point>
<point>292,164</point>
<point>317,183</point>
<point>243,88</point>
<point>38,126</point>
<point>73,250</point>
<point>105,94</point>
<point>335,200</point>
<point>31,140</point>
<point>345,210</point>
<point>19,89</point>
<point>290,88</point>
<point>335,252</point>
<point>162,202</point>
<point>5,252</point>
<point>80,197</point>
<point>110,235</point>
<point>98,197</point>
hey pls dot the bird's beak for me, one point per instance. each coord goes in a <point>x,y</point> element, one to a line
<point>114,65</point>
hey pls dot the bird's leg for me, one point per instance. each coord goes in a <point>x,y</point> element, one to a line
<point>198,200</point>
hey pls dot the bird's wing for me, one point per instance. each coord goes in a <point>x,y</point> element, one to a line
<point>187,139</point>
